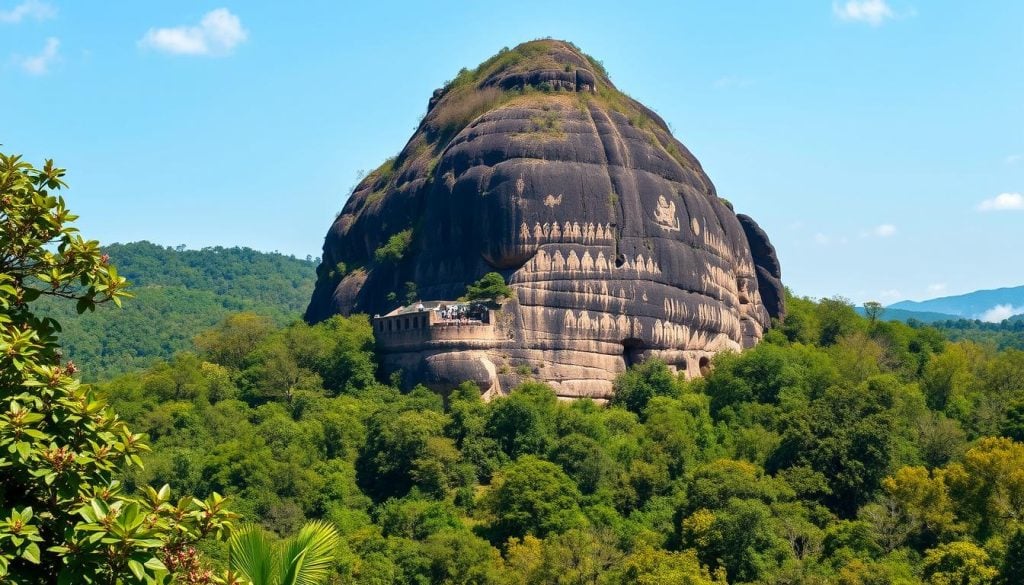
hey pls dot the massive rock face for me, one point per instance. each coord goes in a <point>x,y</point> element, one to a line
<point>605,226</point>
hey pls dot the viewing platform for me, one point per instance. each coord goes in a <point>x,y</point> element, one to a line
<point>434,324</point>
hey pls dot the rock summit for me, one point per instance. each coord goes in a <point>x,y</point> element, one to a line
<point>612,238</point>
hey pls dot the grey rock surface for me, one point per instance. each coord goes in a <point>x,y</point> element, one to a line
<point>605,226</point>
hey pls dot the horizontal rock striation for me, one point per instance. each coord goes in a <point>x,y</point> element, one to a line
<point>605,226</point>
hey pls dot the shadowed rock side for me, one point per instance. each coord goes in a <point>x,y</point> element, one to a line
<point>605,226</point>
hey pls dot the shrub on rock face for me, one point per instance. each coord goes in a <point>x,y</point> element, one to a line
<point>65,517</point>
<point>394,250</point>
<point>491,286</point>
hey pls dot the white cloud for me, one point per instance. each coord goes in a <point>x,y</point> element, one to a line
<point>885,230</point>
<point>822,239</point>
<point>1000,313</point>
<point>873,12</point>
<point>1003,202</point>
<point>40,64</point>
<point>218,33</point>
<point>28,9</point>
<point>937,288</point>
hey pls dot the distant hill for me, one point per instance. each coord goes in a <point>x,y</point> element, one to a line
<point>975,305</point>
<point>903,315</point>
<point>178,293</point>
<point>984,317</point>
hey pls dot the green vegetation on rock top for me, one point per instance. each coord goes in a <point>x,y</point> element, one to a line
<point>468,96</point>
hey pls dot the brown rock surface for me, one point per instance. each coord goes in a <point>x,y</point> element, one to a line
<point>605,226</point>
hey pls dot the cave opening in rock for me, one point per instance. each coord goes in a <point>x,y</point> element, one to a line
<point>705,366</point>
<point>632,351</point>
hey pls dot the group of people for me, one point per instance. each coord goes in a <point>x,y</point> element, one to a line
<point>463,313</point>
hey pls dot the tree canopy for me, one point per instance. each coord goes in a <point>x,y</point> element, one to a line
<point>841,449</point>
<point>870,454</point>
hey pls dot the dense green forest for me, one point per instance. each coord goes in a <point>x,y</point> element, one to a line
<point>840,450</point>
<point>1006,335</point>
<point>178,293</point>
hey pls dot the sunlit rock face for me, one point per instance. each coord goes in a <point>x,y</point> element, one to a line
<point>605,226</point>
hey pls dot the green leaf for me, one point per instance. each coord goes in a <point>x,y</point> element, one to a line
<point>31,553</point>
<point>87,514</point>
<point>99,508</point>
<point>137,569</point>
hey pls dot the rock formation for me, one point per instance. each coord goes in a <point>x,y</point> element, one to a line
<point>617,247</point>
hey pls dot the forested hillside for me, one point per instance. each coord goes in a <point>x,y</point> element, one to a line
<point>178,293</point>
<point>1006,335</point>
<point>841,449</point>
<point>838,451</point>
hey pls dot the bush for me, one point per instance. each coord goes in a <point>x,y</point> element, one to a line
<point>395,248</point>
<point>635,388</point>
<point>66,517</point>
<point>491,286</point>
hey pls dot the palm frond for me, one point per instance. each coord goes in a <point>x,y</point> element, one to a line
<point>308,557</point>
<point>252,555</point>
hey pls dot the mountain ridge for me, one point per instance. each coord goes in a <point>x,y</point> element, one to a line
<point>972,305</point>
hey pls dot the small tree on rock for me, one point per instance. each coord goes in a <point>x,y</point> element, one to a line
<point>491,286</point>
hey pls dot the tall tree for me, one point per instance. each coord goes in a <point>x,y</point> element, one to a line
<point>873,310</point>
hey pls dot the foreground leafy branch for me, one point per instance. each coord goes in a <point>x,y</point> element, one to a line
<point>64,517</point>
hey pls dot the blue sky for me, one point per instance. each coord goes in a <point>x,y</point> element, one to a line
<point>879,142</point>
